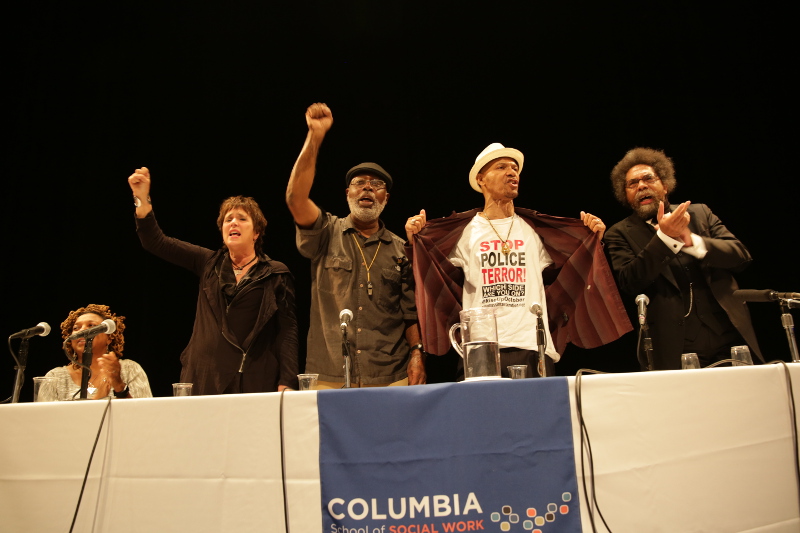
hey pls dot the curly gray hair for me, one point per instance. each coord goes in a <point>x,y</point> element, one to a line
<point>662,166</point>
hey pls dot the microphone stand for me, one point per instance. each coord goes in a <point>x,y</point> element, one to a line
<point>647,344</point>
<point>87,363</point>
<point>22,362</point>
<point>788,324</point>
<point>541,341</point>
<point>346,355</point>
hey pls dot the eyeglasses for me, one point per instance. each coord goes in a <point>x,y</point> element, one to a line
<point>375,183</point>
<point>648,180</point>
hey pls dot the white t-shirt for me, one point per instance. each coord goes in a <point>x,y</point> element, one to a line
<point>511,283</point>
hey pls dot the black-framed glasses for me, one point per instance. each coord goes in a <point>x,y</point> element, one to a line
<point>375,183</point>
<point>648,180</point>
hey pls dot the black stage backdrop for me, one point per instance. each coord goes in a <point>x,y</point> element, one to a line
<point>211,97</point>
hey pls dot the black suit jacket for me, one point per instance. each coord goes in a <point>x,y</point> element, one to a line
<point>641,263</point>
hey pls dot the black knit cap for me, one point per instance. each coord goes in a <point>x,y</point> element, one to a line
<point>370,168</point>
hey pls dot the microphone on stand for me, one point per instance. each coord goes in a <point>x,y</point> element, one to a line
<point>642,301</point>
<point>646,343</point>
<point>788,300</point>
<point>345,316</point>
<point>536,309</point>
<point>749,295</point>
<point>541,339</point>
<point>42,329</point>
<point>107,326</point>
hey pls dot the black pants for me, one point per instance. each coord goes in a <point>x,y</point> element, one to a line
<point>711,347</point>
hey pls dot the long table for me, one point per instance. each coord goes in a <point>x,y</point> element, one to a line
<point>679,451</point>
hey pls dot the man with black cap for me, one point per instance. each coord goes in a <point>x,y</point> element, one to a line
<point>511,258</point>
<point>357,264</point>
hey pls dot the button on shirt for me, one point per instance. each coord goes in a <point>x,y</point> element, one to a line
<point>376,334</point>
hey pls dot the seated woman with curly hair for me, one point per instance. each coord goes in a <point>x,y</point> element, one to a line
<point>109,373</point>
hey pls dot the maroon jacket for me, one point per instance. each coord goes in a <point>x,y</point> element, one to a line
<point>584,305</point>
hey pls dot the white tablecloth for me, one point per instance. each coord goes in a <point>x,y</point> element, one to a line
<point>702,450</point>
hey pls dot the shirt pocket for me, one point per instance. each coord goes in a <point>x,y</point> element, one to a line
<point>336,275</point>
<point>391,289</point>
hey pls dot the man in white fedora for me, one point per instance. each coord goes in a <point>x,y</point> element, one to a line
<point>510,258</point>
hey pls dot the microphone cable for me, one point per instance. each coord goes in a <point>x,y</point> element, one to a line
<point>283,466</point>
<point>89,465</point>
<point>586,446</point>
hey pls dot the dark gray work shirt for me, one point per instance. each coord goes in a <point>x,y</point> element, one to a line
<point>376,334</point>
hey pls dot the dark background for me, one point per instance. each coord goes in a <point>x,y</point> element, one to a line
<point>211,97</point>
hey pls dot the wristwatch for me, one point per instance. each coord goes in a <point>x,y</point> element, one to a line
<point>138,202</point>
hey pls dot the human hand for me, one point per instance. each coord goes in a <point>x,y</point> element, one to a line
<point>140,183</point>
<point>675,224</point>
<point>415,224</point>
<point>319,118</point>
<point>593,223</point>
<point>110,369</point>
<point>416,370</point>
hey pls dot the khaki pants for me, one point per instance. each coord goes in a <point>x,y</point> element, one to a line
<point>323,385</point>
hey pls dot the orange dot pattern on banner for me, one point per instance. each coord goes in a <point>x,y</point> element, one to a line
<point>506,517</point>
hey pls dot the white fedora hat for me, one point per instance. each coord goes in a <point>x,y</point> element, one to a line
<point>490,153</point>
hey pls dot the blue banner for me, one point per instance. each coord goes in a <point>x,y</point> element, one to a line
<point>478,456</point>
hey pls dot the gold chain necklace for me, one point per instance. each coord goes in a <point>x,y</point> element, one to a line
<point>505,248</point>
<point>369,281</point>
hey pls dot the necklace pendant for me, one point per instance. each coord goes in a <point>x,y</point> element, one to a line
<point>369,288</point>
<point>506,249</point>
<point>237,271</point>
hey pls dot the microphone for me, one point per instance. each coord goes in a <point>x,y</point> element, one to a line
<point>642,301</point>
<point>107,326</point>
<point>345,317</point>
<point>42,329</point>
<point>541,340</point>
<point>767,295</point>
<point>536,309</point>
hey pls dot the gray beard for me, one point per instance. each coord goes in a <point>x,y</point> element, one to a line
<point>646,212</point>
<point>365,214</point>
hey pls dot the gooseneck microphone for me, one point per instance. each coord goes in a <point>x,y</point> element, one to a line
<point>642,301</point>
<point>787,300</point>
<point>42,329</point>
<point>107,326</point>
<point>766,295</point>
